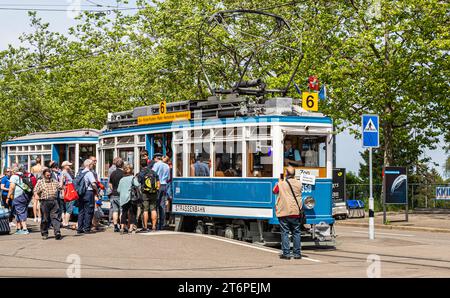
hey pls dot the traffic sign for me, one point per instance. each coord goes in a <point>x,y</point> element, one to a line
<point>370,131</point>
<point>310,101</point>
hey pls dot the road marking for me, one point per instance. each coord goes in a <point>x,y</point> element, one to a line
<point>388,234</point>
<point>236,242</point>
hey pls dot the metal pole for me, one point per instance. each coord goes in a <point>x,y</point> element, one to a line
<point>371,203</point>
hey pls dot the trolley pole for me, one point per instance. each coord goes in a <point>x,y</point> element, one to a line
<point>371,203</point>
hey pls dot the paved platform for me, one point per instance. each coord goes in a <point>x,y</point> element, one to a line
<point>170,254</point>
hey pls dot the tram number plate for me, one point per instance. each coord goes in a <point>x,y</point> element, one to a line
<point>308,179</point>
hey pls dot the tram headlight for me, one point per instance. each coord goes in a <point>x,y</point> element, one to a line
<point>310,202</point>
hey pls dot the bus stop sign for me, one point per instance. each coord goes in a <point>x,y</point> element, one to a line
<point>370,131</point>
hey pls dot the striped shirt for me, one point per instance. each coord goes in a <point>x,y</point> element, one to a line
<point>47,190</point>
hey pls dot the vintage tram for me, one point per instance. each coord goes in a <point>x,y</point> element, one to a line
<point>245,146</point>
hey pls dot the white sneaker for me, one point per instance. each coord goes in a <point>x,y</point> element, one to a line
<point>35,219</point>
<point>39,219</point>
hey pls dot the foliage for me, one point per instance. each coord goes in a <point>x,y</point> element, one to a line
<point>393,63</point>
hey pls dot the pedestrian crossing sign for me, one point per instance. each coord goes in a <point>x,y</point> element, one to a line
<point>370,131</point>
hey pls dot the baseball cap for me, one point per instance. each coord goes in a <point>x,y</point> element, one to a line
<point>66,163</point>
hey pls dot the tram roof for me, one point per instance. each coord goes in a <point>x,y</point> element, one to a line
<point>84,134</point>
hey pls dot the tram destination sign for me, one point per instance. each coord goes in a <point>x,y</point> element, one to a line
<point>166,117</point>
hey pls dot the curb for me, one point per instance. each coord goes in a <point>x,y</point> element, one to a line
<point>387,227</point>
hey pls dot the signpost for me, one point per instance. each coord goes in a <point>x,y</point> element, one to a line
<point>371,139</point>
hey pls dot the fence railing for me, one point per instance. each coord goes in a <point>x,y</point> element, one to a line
<point>419,195</point>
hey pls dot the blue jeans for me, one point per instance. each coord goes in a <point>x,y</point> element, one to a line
<point>161,206</point>
<point>86,211</point>
<point>290,224</point>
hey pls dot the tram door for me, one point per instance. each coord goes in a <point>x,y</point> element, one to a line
<point>161,143</point>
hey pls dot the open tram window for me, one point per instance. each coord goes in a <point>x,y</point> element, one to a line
<point>179,160</point>
<point>259,158</point>
<point>228,158</point>
<point>127,155</point>
<point>86,151</point>
<point>108,156</point>
<point>199,160</point>
<point>306,152</point>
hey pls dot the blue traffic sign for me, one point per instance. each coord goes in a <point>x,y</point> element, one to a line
<point>370,131</point>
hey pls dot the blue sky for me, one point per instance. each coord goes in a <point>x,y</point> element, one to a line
<point>14,23</point>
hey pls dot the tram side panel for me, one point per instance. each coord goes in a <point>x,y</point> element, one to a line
<point>250,203</point>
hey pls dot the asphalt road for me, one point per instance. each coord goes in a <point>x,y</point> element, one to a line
<point>169,254</point>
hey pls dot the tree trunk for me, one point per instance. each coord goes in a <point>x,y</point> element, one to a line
<point>388,150</point>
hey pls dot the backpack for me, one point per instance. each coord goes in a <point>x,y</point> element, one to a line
<point>135,193</point>
<point>149,184</point>
<point>28,184</point>
<point>80,184</point>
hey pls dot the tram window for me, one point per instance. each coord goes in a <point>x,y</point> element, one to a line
<point>179,160</point>
<point>178,135</point>
<point>47,159</point>
<point>305,151</point>
<point>259,159</point>
<point>47,147</point>
<point>125,140</point>
<point>23,160</point>
<point>229,132</point>
<point>199,160</point>
<point>108,141</point>
<point>34,156</point>
<point>158,143</point>
<point>127,155</point>
<point>12,148</point>
<point>141,138</point>
<point>200,134</point>
<point>168,145</point>
<point>72,154</point>
<point>108,156</point>
<point>86,151</point>
<point>259,131</point>
<point>228,159</point>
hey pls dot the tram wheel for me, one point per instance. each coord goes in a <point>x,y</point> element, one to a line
<point>229,233</point>
<point>200,228</point>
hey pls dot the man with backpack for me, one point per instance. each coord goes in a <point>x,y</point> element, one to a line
<point>149,184</point>
<point>163,171</point>
<point>19,193</point>
<point>86,187</point>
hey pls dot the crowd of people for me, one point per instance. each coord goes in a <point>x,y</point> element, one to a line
<point>140,199</point>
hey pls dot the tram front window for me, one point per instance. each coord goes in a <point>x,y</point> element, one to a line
<point>305,151</point>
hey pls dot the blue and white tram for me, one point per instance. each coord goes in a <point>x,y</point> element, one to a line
<point>72,145</point>
<point>244,149</point>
